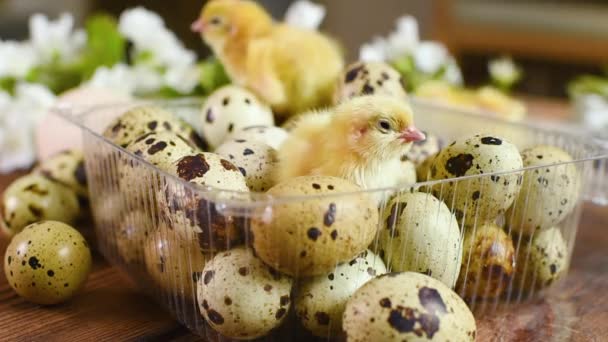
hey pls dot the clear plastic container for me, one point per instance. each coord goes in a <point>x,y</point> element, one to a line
<point>136,206</point>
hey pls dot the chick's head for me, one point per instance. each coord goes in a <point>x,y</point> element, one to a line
<point>223,20</point>
<point>378,126</point>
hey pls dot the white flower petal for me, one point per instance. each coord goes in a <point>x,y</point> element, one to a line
<point>55,39</point>
<point>16,59</point>
<point>18,116</point>
<point>147,31</point>
<point>119,78</point>
<point>430,56</point>
<point>405,39</point>
<point>374,51</point>
<point>147,79</point>
<point>453,75</point>
<point>305,14</point>
<point>34,95</point>
<point>503,69</point>
<point>182,79</point>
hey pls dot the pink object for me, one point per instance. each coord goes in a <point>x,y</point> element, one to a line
<point>412,134</point>
<point>197,26</point>
<point>55,134</point>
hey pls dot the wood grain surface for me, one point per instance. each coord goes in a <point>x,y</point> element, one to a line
<point>110,308</point>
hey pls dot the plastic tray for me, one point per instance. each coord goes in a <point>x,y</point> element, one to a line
<point>129,214</point>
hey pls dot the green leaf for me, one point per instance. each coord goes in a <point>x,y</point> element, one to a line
<point>213,75</point>
<point>56,76</point>
<point>588,84</point>
<point>8,84</point>
<point>105,45</point>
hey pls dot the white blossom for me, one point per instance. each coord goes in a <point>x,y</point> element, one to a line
<point>375,51</point>
<point>18,117</point>
<point>504,70</point>
<point>119,78</point>
<point>405,39</point>
<point>453,75</point>
<point>147,31</point>
<point>167,61</point>
<point>430,56</point>
<point>183,78</point>
<point>305,14</point>
<point>594,111</point>
<point>56,39</point>
<point>16,59</point>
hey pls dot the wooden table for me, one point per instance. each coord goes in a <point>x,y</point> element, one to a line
<point>112,309</point>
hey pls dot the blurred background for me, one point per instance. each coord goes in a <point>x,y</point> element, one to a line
<point>552,40</point>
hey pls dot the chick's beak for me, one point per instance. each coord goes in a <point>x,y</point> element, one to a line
<point>412,134</point>
<point>198,26</point>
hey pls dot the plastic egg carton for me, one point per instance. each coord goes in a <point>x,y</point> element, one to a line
<point>131,201</point>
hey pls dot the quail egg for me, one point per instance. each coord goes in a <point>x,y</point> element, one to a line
<point>423,170</point>
<point>421,150</point>
<point>33,198</point>
<point>407,307</point>
<point>421,234</point>
<point>549,192</point>
<point>487,263</point>
<point>309,236</point>
<point>484,198</point>
<point>241,297</point>
<point>366,78</point>
<point>320,300</point>
<point>47,262</point>
<point>196,218</point>
<point>541,261</point>
<point>67,168</point>
<point>160,148</point>
<point>229,109</point>
<point>270,135</point>
<point>254,159</point>
<point>146,119</point>
<point>130,238</point>
<point>174,264</point>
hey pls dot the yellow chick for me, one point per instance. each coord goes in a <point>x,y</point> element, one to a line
<point>291,69</point>
<point>359,140</point>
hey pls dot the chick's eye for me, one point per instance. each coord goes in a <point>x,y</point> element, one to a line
<point>215,21</point>
<point>384,126</point>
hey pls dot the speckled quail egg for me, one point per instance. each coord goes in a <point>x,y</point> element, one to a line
<point>320,300</point>
<point>241,297</point>
<point>229,109</point>
<point>196,218</point>
<point>173,264</point>
<point>67,168</point>
<point>47,262</point>
<point>423,170</point>
<point>541,261</point>
<point>160,149</point>
<point>33,198</point>
<point>270,135</point>
<point>256,161</point>
<point>421,234</point>
<point>421,150</point>
<point>548,193</point>
<point>310,236</point>
<point>366,78</point>
<point>487,263</point>
<point>130,238</point>
<point>145,119</point>
<point>407,307</point>
<point>479,199</point>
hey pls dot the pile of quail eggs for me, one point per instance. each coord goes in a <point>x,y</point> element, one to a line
<point>47,260</point>
<point>320,252</point>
